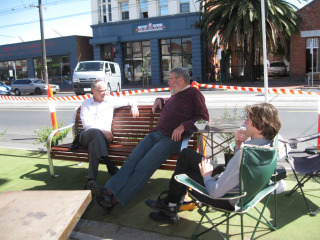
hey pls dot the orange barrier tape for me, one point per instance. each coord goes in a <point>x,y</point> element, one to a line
<point>81,97</point>
<point>260,90</point>
<point>134,92</point>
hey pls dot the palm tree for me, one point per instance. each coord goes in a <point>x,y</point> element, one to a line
<point>238,22</point>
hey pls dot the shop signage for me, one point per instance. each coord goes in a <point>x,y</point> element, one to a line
<point>150,27</point>
<point>23,49</point>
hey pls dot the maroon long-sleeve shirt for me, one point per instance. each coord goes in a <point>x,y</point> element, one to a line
<point>185,107</point>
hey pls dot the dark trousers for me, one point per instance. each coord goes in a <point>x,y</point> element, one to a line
<point>187,163</point>
<point>96,143</point>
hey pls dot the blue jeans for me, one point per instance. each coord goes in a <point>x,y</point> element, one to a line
<point>144,160</point>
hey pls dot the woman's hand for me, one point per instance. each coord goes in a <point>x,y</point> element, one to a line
<point>205,167</point>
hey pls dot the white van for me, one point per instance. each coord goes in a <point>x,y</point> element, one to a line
<point>88,71</point>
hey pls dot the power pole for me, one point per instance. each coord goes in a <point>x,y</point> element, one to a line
<point>43,45</point>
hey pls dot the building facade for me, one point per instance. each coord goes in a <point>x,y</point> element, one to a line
<point>24,60</point>
<point>304,49</point>
<point>148,38</point>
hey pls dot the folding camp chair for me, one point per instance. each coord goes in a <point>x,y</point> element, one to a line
<point>257,166</point>
<point>304,168</point>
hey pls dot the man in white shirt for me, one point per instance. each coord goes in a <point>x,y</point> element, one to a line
<point>96,116</point>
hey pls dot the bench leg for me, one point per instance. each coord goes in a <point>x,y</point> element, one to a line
<point>51,170</point>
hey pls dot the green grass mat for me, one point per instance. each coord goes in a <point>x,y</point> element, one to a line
<point>28,170</point>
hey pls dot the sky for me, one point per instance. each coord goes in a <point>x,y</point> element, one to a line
<point>19,19</point>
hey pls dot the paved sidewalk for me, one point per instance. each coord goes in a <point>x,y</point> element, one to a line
<point>93,230</point>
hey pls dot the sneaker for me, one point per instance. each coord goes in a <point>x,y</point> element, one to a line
<point>163,218</point>
<point>161,206</point>
<point>99,194</point>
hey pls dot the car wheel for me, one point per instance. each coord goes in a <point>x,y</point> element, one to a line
<point>118,88</point>
<point>38,91</point>
<point>17,92</point>
<point>108,88</point>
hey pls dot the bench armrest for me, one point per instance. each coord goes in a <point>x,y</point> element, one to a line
<point>71,125</point>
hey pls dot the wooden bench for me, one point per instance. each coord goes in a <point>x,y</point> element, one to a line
<point>127,132</point>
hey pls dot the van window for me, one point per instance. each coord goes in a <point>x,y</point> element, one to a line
<point>89,66</point>
<point>106,67</point>
<point>113,69</point>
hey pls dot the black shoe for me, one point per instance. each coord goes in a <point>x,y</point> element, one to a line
<point>163,218</point>
<point>112,170</point>
<point>161,206</point>
<point>100,194</point>
<point>109,209</point>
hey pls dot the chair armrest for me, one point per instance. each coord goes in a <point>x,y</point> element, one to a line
<point>293,141</point>
<point>186,180</point>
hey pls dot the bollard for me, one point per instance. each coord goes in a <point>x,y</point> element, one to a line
<point>195,85</point>
<point>203,150</point>
<point>52,109</point>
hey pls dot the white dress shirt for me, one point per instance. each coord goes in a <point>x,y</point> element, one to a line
<point>99,115</point>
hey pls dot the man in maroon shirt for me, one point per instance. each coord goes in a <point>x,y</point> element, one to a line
<point>179,113</point>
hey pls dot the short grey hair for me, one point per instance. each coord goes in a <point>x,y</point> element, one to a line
<point>182,72</point>
<point>94,84</point>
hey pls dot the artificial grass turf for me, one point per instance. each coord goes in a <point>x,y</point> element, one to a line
<point>28,170</point>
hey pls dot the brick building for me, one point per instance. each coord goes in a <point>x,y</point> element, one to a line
<point>301,58</point>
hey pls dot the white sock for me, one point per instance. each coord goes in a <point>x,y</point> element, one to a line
<point>172,204</point>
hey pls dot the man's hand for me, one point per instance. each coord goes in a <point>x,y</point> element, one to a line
<point>239,137</point>
<point>134,111</point>
<point>157,103</point>
<point>176,135</point>
<point>205,167</point>
<point>108,135</point>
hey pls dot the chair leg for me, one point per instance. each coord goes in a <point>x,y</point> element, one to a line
<point>299,185</point>
<point>204,215</point>
<point>241,219</point>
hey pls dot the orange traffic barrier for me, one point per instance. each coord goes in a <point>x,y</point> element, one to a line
<point>52,109</point>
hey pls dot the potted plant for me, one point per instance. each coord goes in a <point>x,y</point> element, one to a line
<point>44,133</point>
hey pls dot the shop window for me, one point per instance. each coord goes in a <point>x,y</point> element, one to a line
<point>107,52</point>
<point>137,62</point>
<point>184,6</point>
<point>58,69</point>
<point>176,52</point>
<point>11,70</point>
<point>125,10</point>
